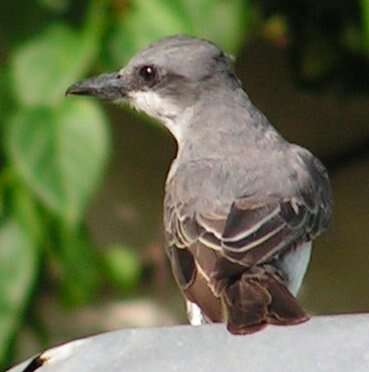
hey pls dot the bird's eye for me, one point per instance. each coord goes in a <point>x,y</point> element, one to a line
<point>148,73</point>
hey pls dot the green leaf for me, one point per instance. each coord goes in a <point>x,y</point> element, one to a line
<point>27,214</point>
<point>224,22</point>
<point>122,267</point>
<point>47,64</point>
<point>79,266</point>
<point>60,154</point>
<point>57,6</point>
<point>18,268</point>
<point>6,99</point>
<point>147,21</point>
<point>365,20</point>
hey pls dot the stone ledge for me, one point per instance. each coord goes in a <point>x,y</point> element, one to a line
<point>324,344</point>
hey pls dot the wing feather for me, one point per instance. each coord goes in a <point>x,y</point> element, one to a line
<point>254,229</point>
<point>249,234</point>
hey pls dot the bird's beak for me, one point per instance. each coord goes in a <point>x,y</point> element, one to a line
<point>108,87</point>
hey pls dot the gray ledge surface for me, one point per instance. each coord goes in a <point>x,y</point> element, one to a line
<point>324,344</point>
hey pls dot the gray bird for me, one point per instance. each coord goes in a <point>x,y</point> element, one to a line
<point>242,205</point>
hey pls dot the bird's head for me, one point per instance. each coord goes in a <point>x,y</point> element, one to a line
<point>164,79</point>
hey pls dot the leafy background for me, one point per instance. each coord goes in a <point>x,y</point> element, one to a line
<point>81,184</point>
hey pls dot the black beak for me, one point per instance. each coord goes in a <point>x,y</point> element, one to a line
<point>106,86</point>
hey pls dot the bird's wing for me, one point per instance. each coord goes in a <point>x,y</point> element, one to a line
<point>254,233</point>
<point>216,247</point>
<point>254,229</point>
<point>183,249</point>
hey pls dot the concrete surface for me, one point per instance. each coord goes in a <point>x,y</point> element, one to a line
<point>324,344</point>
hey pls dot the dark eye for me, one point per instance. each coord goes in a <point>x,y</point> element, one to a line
<point>148,73</point>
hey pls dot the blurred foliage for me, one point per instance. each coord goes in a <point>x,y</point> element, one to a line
<point>122,267</point>
<point>328,41</point>
<point>145,21</point>
<point>19,259</point>
<point>53,151</point>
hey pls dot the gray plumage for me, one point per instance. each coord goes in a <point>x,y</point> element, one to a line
<point>242,204</point>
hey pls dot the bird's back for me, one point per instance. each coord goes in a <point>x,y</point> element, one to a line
<point>231,220</point>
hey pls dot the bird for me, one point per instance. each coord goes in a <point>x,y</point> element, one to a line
<point>242,205</point>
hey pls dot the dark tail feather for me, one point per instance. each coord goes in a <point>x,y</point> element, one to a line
<point>255,300</point>
<point>284,309</point>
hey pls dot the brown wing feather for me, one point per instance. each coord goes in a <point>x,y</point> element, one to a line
<point>259,298</point>
<point>214,258</point>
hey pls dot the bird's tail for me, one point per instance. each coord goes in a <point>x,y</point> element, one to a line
<point>255,300</point>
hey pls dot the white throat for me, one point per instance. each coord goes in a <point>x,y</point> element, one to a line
<point>161,109</point>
